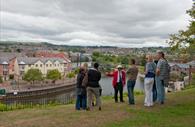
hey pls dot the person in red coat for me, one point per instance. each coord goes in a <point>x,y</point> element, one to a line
<point>118,82</point>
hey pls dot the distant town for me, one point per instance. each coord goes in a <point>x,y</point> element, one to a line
<point>17,58</point>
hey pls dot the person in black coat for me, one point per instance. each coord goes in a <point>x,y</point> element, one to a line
<point>81,100</point>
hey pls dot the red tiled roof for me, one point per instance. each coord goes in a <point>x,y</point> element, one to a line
<point>48,54</point>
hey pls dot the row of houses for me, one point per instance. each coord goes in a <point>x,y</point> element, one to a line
<point>18,66</point>
<point>183,67</point>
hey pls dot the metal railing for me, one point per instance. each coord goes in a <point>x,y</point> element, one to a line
<point>58,94</point>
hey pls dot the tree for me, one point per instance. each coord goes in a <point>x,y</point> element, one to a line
<point>184,40</point>
<point>125,61</point>
<point>143,60</point>
<point>33,75</point>
<point>54,75</point>
<point>71,75</point>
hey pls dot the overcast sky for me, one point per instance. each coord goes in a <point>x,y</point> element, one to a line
<point>123,23</point>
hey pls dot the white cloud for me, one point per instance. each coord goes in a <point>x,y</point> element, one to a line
<point>132,23</point>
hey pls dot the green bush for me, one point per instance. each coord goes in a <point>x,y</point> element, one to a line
<point>71,75</point>
<point>54,75</point>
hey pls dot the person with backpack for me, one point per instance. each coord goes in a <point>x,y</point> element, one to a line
<point>93,87</point>
<point>149,81</point>
<point>81,100</point>
<point>162,76</point>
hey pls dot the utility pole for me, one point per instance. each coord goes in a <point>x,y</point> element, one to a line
<point>190,74</point>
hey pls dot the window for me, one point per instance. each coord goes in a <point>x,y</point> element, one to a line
<point>36,65</point>
<point>5,72</point>
<point>29,65</point>
<point>40,65</point>
<point>55,65</point>
<point>46,65</point>
<point>50,65</point>
<point>5,66</point>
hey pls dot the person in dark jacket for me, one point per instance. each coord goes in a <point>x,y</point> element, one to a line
<point>81,100</point>
<point>93,86</point>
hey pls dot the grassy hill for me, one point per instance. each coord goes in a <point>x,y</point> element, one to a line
<point>178,111</point>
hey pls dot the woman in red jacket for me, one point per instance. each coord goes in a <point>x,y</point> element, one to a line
<point>118,82</point>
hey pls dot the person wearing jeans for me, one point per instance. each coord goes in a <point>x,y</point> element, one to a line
<point>160,90</point>
<point>130,89</point>
<point>81,100</point>
<point>132,73</point>
<point>162,76</point>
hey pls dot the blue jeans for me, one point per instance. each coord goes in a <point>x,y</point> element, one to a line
<point>160,90</point>
<point>154,92</point>
<point>130,89</point>
<point>81,102</point>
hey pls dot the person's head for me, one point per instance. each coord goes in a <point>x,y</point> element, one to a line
<point>149,58</point>
<point>81,70</point>
<point>96,65</point>
<point>85,66</point>
<point>160,54</point>
<point>119,67</point>
<point>133,61</point>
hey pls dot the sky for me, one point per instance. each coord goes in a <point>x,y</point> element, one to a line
<point>121,23</point>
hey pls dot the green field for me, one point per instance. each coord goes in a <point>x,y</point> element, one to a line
<point>178,111</point>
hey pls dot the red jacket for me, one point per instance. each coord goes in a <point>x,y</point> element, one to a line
<point>115,78</point>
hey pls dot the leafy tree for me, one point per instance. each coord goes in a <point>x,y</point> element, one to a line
<point>184,40</point>
<point>143,60</point>
<point>33,75</point>
<point>71,75</point>
<point>54,75</point>
<point>125,60</point>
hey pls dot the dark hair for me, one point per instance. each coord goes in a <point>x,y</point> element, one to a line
<point>96,65</point>
<point>132,61</point>
<point>162,54</point>
<point>81,70</point>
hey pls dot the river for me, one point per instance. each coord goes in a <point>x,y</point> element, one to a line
<point>106,84</point>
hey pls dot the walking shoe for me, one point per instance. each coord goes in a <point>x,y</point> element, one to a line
<point>100,108</point>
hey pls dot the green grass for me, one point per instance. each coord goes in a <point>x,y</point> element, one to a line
<point>178,111</point>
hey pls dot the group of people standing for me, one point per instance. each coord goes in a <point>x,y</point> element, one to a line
<point>156,78</point>
<point>88,87</point>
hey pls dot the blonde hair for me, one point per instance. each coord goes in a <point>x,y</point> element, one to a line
<point>149,58</point>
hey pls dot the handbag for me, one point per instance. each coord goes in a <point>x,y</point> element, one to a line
<point>85,80</point>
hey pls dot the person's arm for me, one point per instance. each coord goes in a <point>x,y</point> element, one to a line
<point>110,74</point>
<point>146,68</point>
<point>128,71</point>
<point>99,76</point>
<point>124,77</point>
<point>158,68</point>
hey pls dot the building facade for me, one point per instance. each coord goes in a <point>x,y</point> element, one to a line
<point>43,64</point>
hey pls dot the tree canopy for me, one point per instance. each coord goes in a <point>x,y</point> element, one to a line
<point>54,75</point>
<point>33,75</point>
<point>184,40</point>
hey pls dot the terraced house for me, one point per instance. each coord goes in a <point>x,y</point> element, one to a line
<point>8,67</point>
<point>43,64</point>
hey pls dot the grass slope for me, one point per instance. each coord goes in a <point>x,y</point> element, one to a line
<point>179,111</point>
